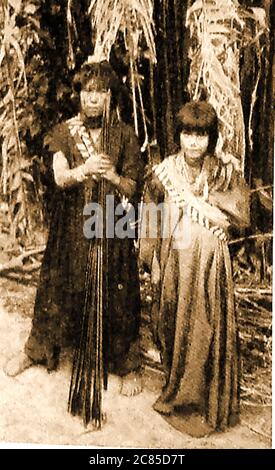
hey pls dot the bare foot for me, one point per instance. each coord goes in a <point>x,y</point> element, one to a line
<point>131,384</point>
<point>162,407</point>
<point>17,364</point>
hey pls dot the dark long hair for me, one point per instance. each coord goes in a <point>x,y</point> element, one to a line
<point>198,117</point>
<point>106,78</point>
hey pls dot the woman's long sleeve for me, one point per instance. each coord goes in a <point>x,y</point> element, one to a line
<point>131,172</point>
<point>234,202</point>
<point>150,233</point>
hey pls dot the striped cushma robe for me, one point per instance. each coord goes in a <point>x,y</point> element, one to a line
<point>197,325</point>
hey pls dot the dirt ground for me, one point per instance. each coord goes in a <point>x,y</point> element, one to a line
<point>33,405</point>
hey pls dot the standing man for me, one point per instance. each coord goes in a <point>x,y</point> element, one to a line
<point>79,164</point>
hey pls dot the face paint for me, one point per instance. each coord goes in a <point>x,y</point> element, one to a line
<point>92,102</point>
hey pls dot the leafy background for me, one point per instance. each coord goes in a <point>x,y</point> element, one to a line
<point>41,41</point>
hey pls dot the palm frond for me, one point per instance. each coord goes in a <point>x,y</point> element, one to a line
<point>13,93</point>
<point>134,19</point>
<point>215,27</point>
<point>217,30</point>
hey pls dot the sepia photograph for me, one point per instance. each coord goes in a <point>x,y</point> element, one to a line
<point>136,225</point>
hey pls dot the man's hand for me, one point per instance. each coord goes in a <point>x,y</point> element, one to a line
<point>112,176</point>
<point>109,173</point>
<point>96,165</point>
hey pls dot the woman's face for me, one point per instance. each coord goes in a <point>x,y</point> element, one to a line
<point>92,101</point>
<point>194,145</point>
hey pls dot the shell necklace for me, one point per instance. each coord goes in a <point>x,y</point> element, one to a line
<point>194,183</point>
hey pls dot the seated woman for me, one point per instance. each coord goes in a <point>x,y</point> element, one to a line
<point>197,327</point>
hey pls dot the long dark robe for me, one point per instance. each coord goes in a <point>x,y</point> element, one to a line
<point>197,325</point>
<point>60,294</point>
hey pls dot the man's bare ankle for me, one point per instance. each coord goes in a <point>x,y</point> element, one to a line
<point>131,384</point>
<point>17,364</point>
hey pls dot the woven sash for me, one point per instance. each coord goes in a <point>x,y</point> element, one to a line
<point>163,172</point>
<point>81,137</point>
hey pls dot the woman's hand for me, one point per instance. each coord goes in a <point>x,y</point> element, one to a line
<point>214,214</point>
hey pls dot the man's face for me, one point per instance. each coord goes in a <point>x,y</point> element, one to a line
<point>194,145</point>
<point>92,100</point>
